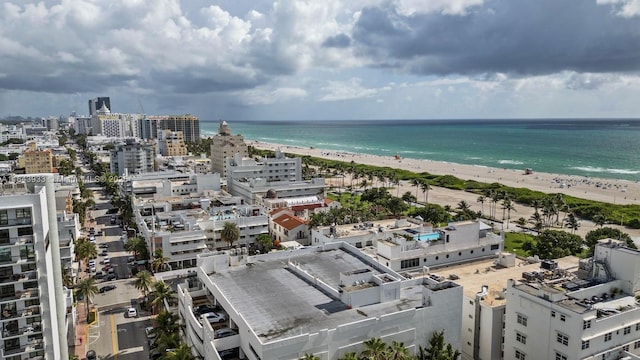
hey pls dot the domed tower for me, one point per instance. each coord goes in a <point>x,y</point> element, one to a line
<point>271,194</point>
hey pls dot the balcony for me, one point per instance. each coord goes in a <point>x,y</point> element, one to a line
<point>33,345</point>
<point>15,222</point>
<point>30,330</point>
<point>9,278</point>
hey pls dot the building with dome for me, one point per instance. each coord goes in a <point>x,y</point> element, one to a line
<point>225,146</point>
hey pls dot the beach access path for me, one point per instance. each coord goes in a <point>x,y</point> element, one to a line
<point>604,190</point>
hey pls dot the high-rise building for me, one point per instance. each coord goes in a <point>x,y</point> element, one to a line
<point>36,311</point>
<point>132,157</point>
<point>188,124</point>
<point>225,146</point>
<point>97,103</point>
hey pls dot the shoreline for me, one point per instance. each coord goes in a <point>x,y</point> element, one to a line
<point>614,191</point>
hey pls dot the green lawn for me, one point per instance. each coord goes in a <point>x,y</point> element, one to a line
<point>513,243</point>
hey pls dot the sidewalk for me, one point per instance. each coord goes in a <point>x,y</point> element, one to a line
<point>82,333</point>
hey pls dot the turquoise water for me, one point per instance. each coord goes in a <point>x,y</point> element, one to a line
<point>428,237</point>
<point>596,148</point>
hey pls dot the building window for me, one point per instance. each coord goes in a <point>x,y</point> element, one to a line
<point>563,317</point>
<point>586,324</point>
<point>585,344</point>
<point>562,339</point>
<point>409,263</point>
<point>553,314</point>
<point>4,217</point>
<point>627,330</point>
<point>495,247</point>
<point>520,355</point>
<point>560,356</point>
<point>625,348</point>
<point>636,344</point>
<point>521,338</point>
<point>638,327</point>
<point>607,337</point>
<point>522,320</point>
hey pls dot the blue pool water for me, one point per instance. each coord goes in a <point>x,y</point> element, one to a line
<point>428,237</point>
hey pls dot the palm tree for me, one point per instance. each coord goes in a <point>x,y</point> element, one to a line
<point>160,261</point>
<point>481,199</point>
<point>508,206</point>
<point>425,187</point>
<point>572,222</point>
<point>143,281</point>
<point>88,289</point>
<point>599,219</point>
<point>166,322</point>
<point>463,206</point>
<point>350,356</point>
<point>416,182</point>
<point>397,351</point>
<point>230,233</point>
<point>309,357</point>
<point>437,349</point>
<point>182,352</point>
<point>163,293</point>
<point>376,349</point>
<point>85,250</point>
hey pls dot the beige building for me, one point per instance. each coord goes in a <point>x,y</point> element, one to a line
<point>188,124</point>
<point>225,146</point>
<point>285,226</point>
<point>38,161</point>
<point>171,143</point>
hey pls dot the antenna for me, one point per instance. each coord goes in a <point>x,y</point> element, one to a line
<point>141,108</point>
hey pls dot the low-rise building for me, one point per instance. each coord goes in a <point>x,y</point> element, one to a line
<point>407,244</point>
<point>171,143</point>
<point>285,226</point>
<point>326,301</point>
<point>588,312</point>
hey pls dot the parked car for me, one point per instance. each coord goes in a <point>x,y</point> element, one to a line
<point>132,312</point>
<point>107,288</point>
<point>103,246</point>
<point>214,318</point>
<point>207,308</point>
<point>110,277</point>
<point>224,332</point>
<point>99,275</point>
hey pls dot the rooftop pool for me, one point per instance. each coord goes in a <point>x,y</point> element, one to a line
<point>427,237</point>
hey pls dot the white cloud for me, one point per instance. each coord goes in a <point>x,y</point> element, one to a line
<point>446,7</point>
<point>266,96</point>
<point>624,8</point>
<point>347,90</point>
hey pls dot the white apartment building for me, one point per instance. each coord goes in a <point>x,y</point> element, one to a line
<point>170,183</point>
<point>36,312</point>
<point>408,244</point>
<point>326,301</point>
<point>132,157</point>
<point>285,226</point>
<point>589,313</point>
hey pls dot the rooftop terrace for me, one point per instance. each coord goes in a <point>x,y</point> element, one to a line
<point>277,303</point>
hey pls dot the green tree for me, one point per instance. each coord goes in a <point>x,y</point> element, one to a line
<point>88,289</point>
<point>230,233</point>
<point>309,357</point>
<point>482,199</point>
<point>397,351</point>
<point>162,293</point>
<point>409,198</point>
<point>182,352</point>
<point>143,282</point>
<point>599,219</point>
<point>592,237</point>
<point>85,250</point>
<point>265,242</point>
<point>375,349</point>
<point>553,244</point>
<point>138,247</point>
<point>437,349</point>
<point>159,262</point>
<point>350,356</point>
<point>572,222</point>
<point>425,187</point>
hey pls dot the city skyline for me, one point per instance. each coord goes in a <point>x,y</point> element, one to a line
<point>298,60</point>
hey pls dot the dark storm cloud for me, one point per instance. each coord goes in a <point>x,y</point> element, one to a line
<point>338,41</point>
<point>529,37</point>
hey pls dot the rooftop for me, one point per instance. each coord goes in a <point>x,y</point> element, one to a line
<point>277,303</point>
<point>472,276</point>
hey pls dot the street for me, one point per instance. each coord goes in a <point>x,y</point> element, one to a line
<point>114,335</point>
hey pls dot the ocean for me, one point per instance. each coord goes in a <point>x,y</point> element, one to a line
<point>595,148</point>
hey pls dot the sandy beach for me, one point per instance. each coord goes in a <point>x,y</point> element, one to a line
<point>605,190</point>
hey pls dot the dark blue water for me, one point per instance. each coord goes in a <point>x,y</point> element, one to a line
<point>597,148</point>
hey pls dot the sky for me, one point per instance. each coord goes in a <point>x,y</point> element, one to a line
<point>323,60</point>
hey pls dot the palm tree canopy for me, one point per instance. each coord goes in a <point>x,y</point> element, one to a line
<point>230,233</point>
<point>163,293</point>
<point>143,281</point>
<point>182,352</point>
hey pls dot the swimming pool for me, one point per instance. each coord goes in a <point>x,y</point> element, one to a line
<point>428,237</point>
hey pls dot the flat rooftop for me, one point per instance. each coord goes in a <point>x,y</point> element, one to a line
<point>277,304</point>
<point>473,275</point>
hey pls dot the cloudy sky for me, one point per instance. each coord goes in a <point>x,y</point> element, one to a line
<point>323,59</point>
